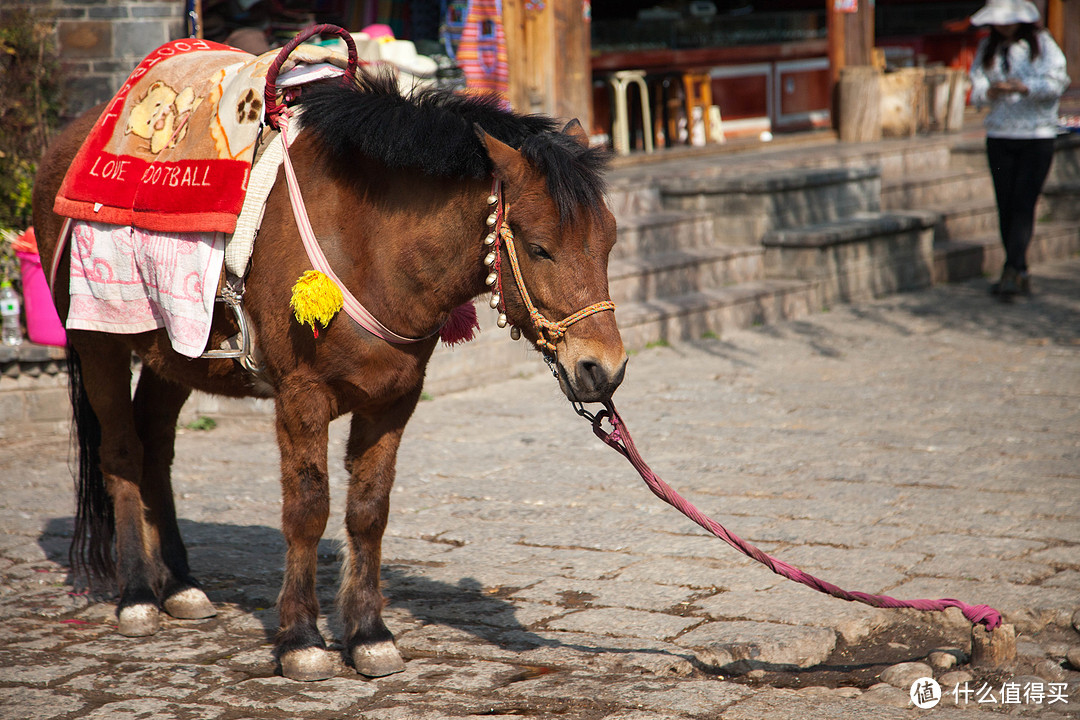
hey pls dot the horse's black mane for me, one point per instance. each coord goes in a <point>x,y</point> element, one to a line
<point>433,131</point>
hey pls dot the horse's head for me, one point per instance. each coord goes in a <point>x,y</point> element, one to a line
<point>561,233</point>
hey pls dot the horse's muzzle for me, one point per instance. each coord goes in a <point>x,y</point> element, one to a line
<point>592,380</point>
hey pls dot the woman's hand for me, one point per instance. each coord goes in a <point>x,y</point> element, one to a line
<point>1006,87</point>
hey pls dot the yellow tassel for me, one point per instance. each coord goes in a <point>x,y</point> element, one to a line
<point>316,299</point>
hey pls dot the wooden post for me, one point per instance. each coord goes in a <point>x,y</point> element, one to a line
<point>1055,21</point>
<point>572,41</point>
<point>993,648</point>
<point>851,43</point>
<point>851,35</point>
<point>859,104</point>
<point>548,45</point>
<point>1063,22</point>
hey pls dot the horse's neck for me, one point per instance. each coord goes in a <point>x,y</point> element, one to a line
<point>422,241</point>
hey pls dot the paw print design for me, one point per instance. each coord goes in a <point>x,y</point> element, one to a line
<point>249,108</point>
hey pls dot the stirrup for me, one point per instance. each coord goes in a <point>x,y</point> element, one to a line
<point>239,347</point>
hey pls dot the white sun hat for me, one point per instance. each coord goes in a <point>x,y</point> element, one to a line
<point>1006,12</point>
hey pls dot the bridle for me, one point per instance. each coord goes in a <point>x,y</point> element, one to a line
<point>548,332</point>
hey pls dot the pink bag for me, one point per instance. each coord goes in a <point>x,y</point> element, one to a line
<point>42,321</point>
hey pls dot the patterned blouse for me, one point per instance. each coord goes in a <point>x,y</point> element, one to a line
<point>1018,116</point>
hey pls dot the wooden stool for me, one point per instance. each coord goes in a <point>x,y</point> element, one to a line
<point>620,123</point>
<point>698,87</point>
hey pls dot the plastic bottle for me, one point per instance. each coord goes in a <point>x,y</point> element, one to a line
<point>9,309</point>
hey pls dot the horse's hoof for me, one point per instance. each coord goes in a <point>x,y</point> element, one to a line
<point>189,604</point>
<point>308,665</point>
<point>377,659</point>
<point>139,620</point>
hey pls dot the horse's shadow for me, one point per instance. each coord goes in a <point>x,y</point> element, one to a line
<point>242,565</point>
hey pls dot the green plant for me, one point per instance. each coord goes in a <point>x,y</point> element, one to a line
<point>30,106</point>
<point>9,264</point>
<point>202,423</point>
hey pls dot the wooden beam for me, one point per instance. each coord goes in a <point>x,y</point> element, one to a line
<point>548,44</point>
<point>1069,12</point>
<point>1055,21</point>
<point>572,73</point>
<point>851,42</point>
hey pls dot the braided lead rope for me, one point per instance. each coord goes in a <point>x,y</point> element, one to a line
<point>549,332</point>
<point>619,438</point>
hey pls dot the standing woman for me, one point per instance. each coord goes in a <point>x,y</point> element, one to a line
<point>1020,71</point>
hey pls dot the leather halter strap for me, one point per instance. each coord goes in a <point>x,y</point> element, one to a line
<point>549,332</point>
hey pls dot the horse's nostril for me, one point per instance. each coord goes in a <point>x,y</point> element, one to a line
<point>594,377</point>
<point>591,375</point>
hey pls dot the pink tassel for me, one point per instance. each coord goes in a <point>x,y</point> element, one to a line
<point>460,326</point>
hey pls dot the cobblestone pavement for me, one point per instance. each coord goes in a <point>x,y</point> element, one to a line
<point>925,445</point>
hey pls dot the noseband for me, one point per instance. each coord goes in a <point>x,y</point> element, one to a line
<point>548,332</point>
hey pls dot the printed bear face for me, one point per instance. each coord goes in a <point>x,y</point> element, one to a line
<point>161,116</point>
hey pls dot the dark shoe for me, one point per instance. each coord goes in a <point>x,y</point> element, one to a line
<point>1024,283</point>
<point>1009,284</point>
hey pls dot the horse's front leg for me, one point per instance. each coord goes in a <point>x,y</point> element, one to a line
<point>370,459</point>
<point>303,419</point>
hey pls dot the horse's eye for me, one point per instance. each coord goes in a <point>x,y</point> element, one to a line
<point>539,252</point>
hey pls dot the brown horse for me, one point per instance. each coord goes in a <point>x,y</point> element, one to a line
<point>397,190</point>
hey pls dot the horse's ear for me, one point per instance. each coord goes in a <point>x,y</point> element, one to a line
<point>574,130</point>
<point>509,165</point>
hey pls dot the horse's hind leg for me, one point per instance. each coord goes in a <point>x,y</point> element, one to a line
<point>106,380</point>
<point>157,406</point>
<point>371,458</point>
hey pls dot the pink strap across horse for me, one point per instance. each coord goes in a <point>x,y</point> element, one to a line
<point>353,307</point>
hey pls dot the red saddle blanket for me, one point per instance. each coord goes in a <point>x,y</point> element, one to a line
<point>172,151</point>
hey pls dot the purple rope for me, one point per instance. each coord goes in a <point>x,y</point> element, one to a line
<point>619,438</point>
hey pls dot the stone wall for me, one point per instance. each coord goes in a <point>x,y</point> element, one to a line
<point>101,41</point>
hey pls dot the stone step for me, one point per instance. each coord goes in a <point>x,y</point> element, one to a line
<point>858,258</point>
<point>708,313</point>
<point>1060,201</point>
<point>936,187</point>
<point>679,272</point>
<point>972,257</point>
<point>493,355</point>
<point>895,159</point>
<point>749,206</point>
<point>969,154</point>
<point>960,220</point>
<point>663,232</point>
<point>1054,240</point>
<point>631,197</point>
<point>490,357</point>
<point>33,389</point>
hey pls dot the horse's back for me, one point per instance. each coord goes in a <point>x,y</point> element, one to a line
<point>51,170</point>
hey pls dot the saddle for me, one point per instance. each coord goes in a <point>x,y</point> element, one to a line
<point>150,169</point>
<point>149,163</point>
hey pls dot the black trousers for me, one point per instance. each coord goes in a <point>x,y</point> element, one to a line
<point>1019,169</point>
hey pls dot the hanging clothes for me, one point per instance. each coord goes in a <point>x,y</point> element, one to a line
<point>481,51</point>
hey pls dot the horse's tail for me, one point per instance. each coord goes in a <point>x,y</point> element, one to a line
<point>91,552</point>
